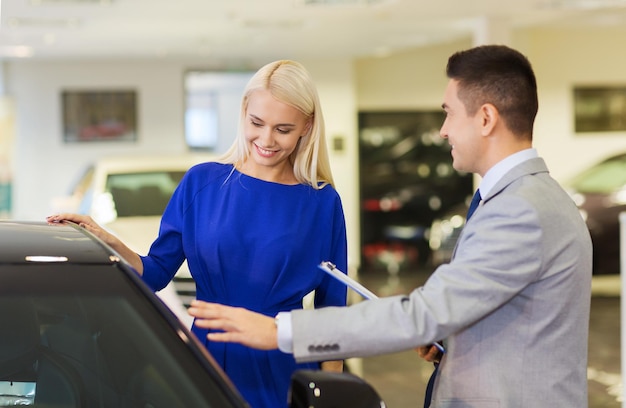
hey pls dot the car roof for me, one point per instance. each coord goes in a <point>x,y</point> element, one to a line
<point>31,241</point>
<point>131,163</point>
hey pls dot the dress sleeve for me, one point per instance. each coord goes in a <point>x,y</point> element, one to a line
<point>332,292</point>
<point>166,254</point>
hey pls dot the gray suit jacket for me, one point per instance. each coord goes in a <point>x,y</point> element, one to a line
<point>512,306</point>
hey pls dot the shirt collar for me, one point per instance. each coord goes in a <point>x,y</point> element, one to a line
<point>495,173</point>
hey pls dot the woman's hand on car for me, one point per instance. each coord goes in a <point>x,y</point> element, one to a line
<point>90,225</point>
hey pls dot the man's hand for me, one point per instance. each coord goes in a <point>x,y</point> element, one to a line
<point>429,353</point>
<point>333,366</point>
<point>238,325</point>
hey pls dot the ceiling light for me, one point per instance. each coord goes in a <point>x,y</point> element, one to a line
<point>581,4</point>
<point>265,24</point>
<point>16,51</point>
<point>49,23</point>
<point>48,2</point>
<point>307,3</point>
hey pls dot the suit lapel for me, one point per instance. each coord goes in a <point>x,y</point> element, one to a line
<point>529,167</point>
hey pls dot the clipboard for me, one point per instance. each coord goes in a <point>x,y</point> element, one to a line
<point>331,269</point>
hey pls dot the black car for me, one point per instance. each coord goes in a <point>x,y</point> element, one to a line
<point>80,329</point>
<point>599,191</point>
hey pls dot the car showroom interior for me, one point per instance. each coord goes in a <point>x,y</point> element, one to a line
<point>105,104</point>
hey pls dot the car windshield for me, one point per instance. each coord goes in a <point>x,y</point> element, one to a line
<point>605,177</point>
<point>97,344</point>
<point>144,193</point>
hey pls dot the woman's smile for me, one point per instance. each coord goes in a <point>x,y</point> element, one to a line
<point>264,152</point>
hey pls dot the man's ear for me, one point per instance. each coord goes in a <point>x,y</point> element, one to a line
<point>489,117</point>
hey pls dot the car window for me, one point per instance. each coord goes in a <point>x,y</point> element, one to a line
<point>96,347</point>
<point>605,177</point>
<point>142,194</point>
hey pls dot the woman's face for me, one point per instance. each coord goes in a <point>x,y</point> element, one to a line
<point>272,130</point>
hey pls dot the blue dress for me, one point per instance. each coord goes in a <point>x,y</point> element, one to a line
<point>254,244</point>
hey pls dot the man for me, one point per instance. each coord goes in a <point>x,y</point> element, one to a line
<point>512,306</point>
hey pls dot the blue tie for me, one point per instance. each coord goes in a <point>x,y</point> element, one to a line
<point>429,387</point>
<point>431,382</point>
<point>474,204</point>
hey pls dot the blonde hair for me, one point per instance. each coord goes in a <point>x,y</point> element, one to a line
<point>290,83</point>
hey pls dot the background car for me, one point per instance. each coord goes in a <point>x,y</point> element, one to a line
<point>406,180</point>
<point>127,195</point>
<point>80,329</point>
<point>444,232</point>
<point>599,191</point>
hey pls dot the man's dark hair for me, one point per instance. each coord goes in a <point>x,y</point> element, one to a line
<point>501,76</point>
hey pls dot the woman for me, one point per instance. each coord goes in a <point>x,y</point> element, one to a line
<point>254,225</point>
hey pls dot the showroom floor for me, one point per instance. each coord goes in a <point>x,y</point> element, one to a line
<point>401,378</point>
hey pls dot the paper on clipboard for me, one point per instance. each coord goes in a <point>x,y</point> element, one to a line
<point>332,270</point>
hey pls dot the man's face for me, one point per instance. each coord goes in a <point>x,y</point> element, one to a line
<point>461,131</point>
